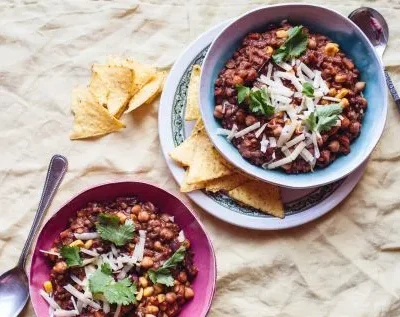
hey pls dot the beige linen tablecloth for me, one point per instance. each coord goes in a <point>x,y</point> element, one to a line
<point>330,267</point>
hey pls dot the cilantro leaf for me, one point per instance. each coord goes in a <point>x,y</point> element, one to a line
<point>308,89</point>
<point>99,281</point>
<point>323,118</point>
<point>122,292</point>
<point>329,110</point>
<point>311,122</point>
<point>258,100</point>
<point>175,259</point>
<point>106,268</point>
<point>294,46</point>
<point>260,103</point>
<point>242,92</point>
<point>110,229</point>
<point>163,275</point>
<point>71,255</point>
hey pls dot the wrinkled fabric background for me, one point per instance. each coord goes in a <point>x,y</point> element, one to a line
<point>330,267</point>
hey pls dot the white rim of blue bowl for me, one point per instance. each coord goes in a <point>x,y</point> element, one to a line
<point>321,180</point>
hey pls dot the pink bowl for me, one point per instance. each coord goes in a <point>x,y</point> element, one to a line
<point>204,284</point>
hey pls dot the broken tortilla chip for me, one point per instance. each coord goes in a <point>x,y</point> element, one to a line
<point>147,92</point>
<point>226,183</point>
<point>186,187</point>
<point>112,86</point>
<point>192,105</point>
<point>90,118</point>
<point>184,152</point>
<point>143,73</point>
<point>259,195</point>
<point>207,163</point>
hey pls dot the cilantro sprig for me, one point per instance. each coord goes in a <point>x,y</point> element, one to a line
<point>258,100</point>
<point>323,118</point>
<point>71,255</point>
<point>110,229</point>
<point>163,274</point>
<point>121,292</point>
<point>308,90</point>
<point>294,46</point>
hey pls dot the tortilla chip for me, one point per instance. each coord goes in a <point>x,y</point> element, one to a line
<point>143,73</point>
<point>260,195</point>
<point>207,163</point>
<point>226,183</point>
<point>192,105</point>
<point>186,187</point>
<point>198,126</point>
<point>147,92</point>
<point>112,87</point>
<point>184,152</point>
<point>90,118</point>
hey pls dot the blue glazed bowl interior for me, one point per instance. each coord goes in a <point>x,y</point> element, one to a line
<point>355,45</point>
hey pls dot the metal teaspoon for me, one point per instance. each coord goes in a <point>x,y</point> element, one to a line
<point>14,288</point>
<point>374,25</point>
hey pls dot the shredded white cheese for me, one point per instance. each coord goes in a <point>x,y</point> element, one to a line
<point>76,280</point>
<point>285,66</point>
<point>286,134</point>
<point>296,152</point>
<point>243,132</point>
<point>317,79</point>
<point>89,252</point>
<point>51,252</point>
<point>69,288</point>
<point>181,236</point>
<point>316,149</point>
<point>272,141</point>
<point>49,300</point>
<point>306,155</point>
<point>87,235</point>
<point>280,162</point>
<point>295,140</point>
<point>307,71</point>
<point>331,98</point>
<point>233,131</point>
<point>139,247</point>
<point>62,312</point>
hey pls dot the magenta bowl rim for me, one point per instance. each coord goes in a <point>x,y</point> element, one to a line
<point>213,257</point>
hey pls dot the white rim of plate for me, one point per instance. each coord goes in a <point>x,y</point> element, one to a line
<point>201,199</point>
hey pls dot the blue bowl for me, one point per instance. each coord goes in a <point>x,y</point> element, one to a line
<point>355,45</point>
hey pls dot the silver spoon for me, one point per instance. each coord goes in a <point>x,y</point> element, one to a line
<point>14,288</point>
<point>373,24</point>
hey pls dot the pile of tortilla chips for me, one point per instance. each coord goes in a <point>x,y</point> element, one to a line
<point>117,87</point>
<point>207,169</point>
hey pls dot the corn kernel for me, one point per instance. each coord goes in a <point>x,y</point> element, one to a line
<point>269,50</point>
<point>344,102</point>
<point>48,287</point>
<point>282,34</point>
<point>77,243</point>
<point>88,244</point>
<point>331,49</point>
<point>342,93</point>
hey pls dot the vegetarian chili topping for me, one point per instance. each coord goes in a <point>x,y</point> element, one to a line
<point>120,258</point>
<point>290,99</point>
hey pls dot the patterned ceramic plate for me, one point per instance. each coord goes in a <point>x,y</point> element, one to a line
<point>301,206</point>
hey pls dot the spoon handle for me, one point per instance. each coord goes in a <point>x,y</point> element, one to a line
<point>57,168</point>
<point>392,90</point>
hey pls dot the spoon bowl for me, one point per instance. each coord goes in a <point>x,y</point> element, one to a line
<point>374,25</point>
<point>14,284</point>
<point>13,291</point>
